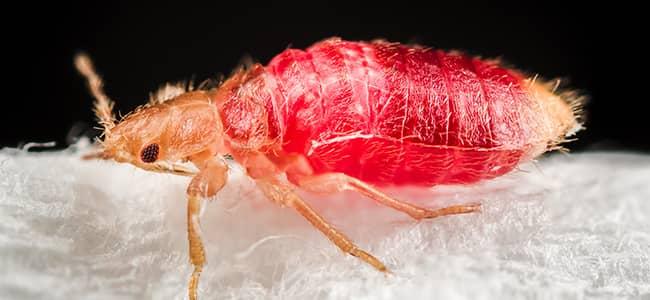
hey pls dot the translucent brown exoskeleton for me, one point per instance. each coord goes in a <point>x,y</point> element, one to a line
<point>341,116</point>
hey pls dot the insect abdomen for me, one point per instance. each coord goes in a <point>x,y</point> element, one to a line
<point>391,114</point>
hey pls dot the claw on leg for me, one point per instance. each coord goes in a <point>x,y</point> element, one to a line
<point>449,210</point>
<point>194,283</point>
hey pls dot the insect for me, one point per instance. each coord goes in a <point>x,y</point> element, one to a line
<point>337,116</point>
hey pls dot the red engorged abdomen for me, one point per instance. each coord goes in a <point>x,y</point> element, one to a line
<point>392,114</point>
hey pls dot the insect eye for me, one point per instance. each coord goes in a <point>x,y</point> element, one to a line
<point>149,153</point>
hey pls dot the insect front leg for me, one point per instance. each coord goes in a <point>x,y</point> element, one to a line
<point>334,182</point>
<point>207,183</point>
<point>282,193</point>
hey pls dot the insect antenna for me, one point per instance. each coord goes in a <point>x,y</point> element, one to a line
<point>103,104</point>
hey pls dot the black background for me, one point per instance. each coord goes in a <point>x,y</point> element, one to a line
<point>138,47</point>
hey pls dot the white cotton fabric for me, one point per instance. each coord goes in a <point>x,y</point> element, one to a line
<point>567,227</point>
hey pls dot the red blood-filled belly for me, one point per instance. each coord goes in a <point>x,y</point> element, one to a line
<point>385,161</point>
<point>395,115</point>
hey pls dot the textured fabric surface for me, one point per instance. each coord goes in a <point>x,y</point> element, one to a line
<point>569,227</point>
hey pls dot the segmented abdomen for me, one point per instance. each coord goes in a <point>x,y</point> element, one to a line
<point>392,114</point>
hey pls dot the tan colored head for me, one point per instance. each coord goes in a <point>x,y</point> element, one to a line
<point>173,127</point>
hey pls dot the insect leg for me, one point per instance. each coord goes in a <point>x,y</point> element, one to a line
<point>197,252</point>
<point>330,182</point>
<point>281,193</point>
<point>206,183</point>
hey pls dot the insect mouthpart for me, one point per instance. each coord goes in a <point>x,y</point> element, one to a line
<point>169,168</point>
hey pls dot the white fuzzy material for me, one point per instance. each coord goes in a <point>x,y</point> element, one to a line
<point>570,227</point>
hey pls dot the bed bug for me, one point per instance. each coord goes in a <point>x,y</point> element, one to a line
<point>341,115</point>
